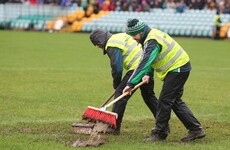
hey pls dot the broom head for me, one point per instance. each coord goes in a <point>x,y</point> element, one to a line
<point>94,114</point>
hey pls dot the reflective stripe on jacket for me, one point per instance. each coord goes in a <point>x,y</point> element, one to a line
<point>217,20</point>
<point>131,51</point>
<point>171,56</point>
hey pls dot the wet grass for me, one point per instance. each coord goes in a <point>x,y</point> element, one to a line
<point>48,80</point>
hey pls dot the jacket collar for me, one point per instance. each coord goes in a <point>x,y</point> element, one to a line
<point>144,34</point>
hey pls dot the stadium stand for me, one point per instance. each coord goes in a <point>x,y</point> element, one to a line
<point>190,23</point>
<point>18,16</point>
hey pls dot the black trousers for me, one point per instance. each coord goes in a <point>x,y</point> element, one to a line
<point>147,92</point>
<point>217,34</point>
<point>170,99</point>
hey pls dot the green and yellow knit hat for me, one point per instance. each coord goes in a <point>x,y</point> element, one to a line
<point>135,26</point>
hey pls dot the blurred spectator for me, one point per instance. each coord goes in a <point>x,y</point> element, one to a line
<point>221,4</point>
<point>112,5</point>
<point>191,4</point>
<point>151,3</point>
<point>100,1</point>
<point>33,2</point>
<point>134,5</point>
<point>145,5</point>
<point>159,4</point>
<point>180,6</point>
<point>96,8</point>
<point>227,8</point>
<point>52,2</point>
<point>3,1</point>
<point>118,5</point>
<point>200,4</point>
<point>78,2</point>
<point>84,5</point>
<point>164,5</point>
<point>196,4</point>
<point>105,5</point>
<point>170,4</point>
<point>211,4</point>
<point>125,6</point>
<point>62,2</point>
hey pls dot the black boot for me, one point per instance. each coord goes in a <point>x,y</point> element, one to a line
<point>117,130</point>
<point>155,138</point>
<point>192,135</point>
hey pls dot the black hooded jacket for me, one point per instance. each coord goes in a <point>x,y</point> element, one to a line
<point>100,37</point>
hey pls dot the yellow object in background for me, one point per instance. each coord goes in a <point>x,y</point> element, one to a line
<point>224,30</point>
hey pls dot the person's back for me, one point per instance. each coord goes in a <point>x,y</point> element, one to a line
<point>166,43</point>
<point>124,53</point>
<point>218,23</point>
<point>131,51</point>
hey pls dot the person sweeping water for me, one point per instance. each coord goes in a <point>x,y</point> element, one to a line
<point>172,65</point>
<point>124,54</point>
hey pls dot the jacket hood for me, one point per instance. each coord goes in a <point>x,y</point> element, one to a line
<point>100,37</point>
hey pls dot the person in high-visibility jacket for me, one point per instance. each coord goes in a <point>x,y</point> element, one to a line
<point>218,23</point>
<point>171,63</point>
<point>124,53</point>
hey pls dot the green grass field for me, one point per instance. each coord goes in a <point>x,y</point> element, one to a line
<point>48,80</point>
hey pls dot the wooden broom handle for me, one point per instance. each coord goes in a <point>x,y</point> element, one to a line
<point>107,100</point>
<point>124,94</point>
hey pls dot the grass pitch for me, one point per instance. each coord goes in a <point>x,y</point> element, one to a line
<point>48,80</point>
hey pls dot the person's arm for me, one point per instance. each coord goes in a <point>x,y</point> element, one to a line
<point>219,20</point>
<point>116,60</point>
<point>151,51</point>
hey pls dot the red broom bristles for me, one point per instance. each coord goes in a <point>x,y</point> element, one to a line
<point>95,114</point>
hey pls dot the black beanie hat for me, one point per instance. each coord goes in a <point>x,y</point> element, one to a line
<point>135,26</point>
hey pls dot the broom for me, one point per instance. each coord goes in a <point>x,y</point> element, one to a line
<point>102,105</point>
<point>100,114</point>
